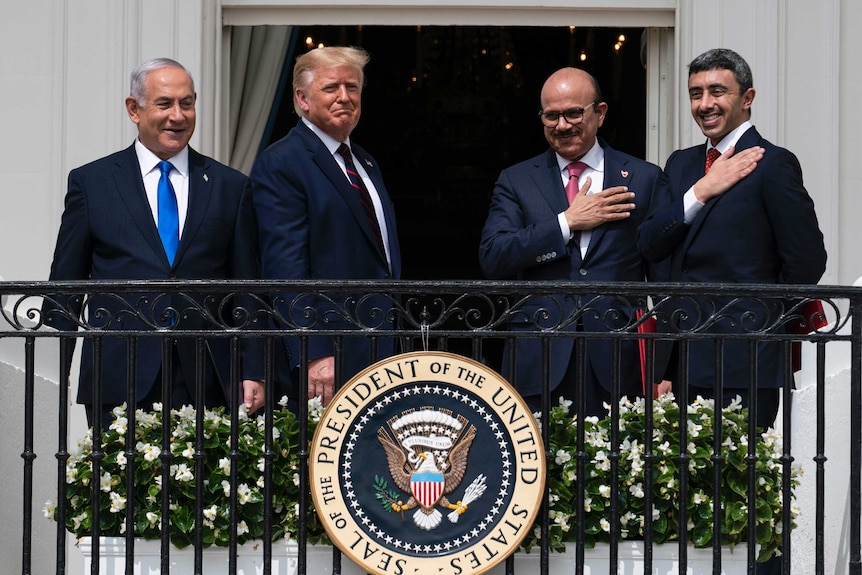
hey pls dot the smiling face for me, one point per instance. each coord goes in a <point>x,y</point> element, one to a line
<point>332,100</point>
<point>718,104</point>
<point>166,117</point>
<point>565,90</point>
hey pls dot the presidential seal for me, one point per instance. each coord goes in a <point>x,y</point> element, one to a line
<point>427,462</point>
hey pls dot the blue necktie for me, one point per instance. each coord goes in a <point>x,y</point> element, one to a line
<point>169,219</point>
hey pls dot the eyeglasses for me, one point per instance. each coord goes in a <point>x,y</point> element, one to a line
<point>572,116</point>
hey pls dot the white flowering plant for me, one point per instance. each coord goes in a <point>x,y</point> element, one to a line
<point>562,477</point>
<point>666,493</point>
<point>114,500</point>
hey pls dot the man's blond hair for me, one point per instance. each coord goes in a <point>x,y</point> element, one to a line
<point>325,58</point>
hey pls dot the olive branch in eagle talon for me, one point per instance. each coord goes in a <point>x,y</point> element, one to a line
<point>414,468</point>
<point>388,498</point>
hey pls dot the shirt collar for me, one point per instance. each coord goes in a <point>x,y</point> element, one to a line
<point>730,139</point>
<point>149,161</point>
<point>594,159</point>
<point>328,141</point>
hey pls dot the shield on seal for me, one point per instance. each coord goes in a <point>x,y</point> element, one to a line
<point>427,487</point>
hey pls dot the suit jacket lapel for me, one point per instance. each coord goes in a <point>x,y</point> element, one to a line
<point>321,156</point>
<point>200,194</point>
<point>376,176</point>
<point>615,175</point>
<point>130,187</point>
<point>694,171</point>
<point>549,183</point>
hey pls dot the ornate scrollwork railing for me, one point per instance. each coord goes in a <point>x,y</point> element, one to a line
<point>450,308</point>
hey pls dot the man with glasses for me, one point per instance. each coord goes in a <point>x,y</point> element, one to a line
<point>572,214</point>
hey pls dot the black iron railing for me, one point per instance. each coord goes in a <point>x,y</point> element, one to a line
<point>474,319</point>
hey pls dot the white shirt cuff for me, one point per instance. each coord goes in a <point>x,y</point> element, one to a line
<point>690,205</point>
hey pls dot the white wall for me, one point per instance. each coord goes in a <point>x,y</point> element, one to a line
<point>45,431</point>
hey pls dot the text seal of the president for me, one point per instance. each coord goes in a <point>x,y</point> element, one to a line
<point>427,463</point>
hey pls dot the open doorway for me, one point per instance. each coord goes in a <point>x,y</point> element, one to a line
<point>446,108</point>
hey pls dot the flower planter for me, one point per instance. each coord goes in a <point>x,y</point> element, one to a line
<point>630,556</point>
<point>112,559</point>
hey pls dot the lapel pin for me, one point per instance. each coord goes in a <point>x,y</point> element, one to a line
<point>369,164</point>
<point>206,178</point>
<point>624,173</point>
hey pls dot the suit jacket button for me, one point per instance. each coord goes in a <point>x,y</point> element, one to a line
<point>583,272</point>
<point>538,259</point>
<point>553,254</point>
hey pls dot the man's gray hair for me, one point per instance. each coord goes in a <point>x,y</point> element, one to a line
<point>138,83</point>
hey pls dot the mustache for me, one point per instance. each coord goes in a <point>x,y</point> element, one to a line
<point>708,112</point>
<point>566,133</point>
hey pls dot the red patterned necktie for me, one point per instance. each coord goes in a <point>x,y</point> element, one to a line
<point>364,196</point>
<point>711,156</point>
<point>572,186</point>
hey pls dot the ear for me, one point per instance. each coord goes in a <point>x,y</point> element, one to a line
<point>133,110</point>
<point>602,110</point>
<point>747,99</point>
<point>301,99</point>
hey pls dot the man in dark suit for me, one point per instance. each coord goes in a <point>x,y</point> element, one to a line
<point>126,218</point>
<point>536,231</point>
<point>324,213</point>
<point>747,218</point>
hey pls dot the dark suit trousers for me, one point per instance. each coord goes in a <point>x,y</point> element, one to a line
<point>595,394</point>
<point>182,393</point>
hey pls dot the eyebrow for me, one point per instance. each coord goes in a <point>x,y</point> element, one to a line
<point>710,87</point>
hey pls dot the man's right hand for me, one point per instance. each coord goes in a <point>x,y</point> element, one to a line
<point>588,211</point>
<point>727,170</point>
<point>321,378</point>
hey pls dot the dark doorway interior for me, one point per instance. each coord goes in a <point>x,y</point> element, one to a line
<point>446,108</point>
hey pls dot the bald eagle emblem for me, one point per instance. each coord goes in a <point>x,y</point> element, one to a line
<point>426,451</point>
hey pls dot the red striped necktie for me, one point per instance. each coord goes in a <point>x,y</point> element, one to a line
<point>364,196</point>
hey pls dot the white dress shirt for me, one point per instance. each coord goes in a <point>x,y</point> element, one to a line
<point>179,177</point>
<point>595,161</point>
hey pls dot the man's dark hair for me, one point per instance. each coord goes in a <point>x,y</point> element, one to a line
<point>724,59</point>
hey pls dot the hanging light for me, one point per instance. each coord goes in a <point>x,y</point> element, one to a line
<point>583,56</point>
<point>622,38</point>
<point>309,41</point>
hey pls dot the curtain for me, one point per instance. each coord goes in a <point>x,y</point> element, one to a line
<point>257,56</point>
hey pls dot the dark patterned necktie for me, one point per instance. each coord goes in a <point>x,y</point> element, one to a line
<point>711,156</point>
<point>364,196</point>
